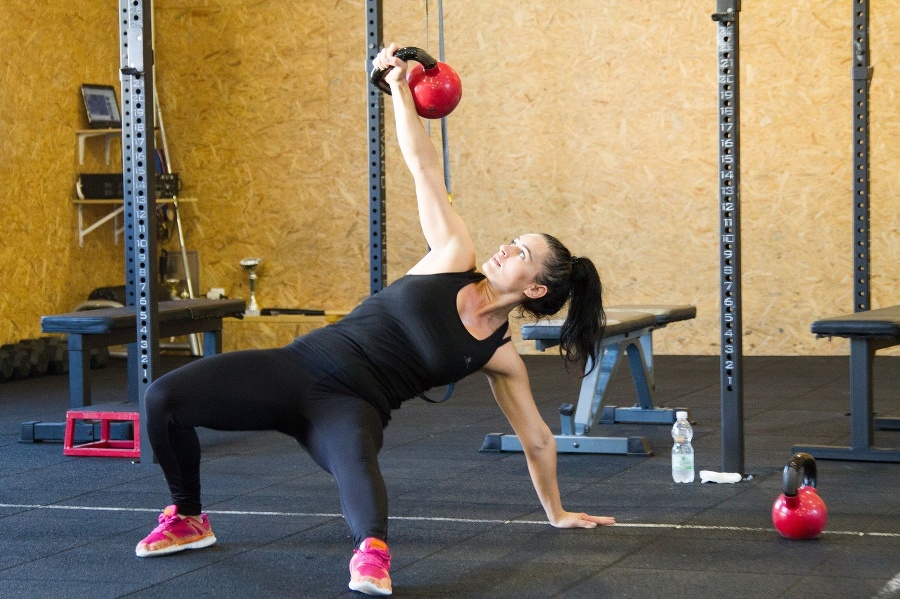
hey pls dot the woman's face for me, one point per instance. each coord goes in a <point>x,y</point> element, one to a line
<point>516,265</point>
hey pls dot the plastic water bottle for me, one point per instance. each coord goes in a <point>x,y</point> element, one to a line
<point>682,452</point>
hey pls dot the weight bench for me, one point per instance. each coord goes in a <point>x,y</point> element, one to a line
<point>868,331</point>
<point>629,332</point>
<point>90,329</point>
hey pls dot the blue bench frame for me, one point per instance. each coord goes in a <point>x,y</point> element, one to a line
<point>629,333</point>
<point>89,329</point>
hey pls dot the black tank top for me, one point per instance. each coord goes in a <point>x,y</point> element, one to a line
<point>402,341</point>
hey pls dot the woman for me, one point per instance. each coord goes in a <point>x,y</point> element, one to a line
<point>334,389</point>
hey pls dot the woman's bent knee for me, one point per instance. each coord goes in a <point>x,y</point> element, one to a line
<point>160,399</point>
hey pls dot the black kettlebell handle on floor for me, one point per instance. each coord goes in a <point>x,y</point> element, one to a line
<point>405,54</point>
<point>800,462</point>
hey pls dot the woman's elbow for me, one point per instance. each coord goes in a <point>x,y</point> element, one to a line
<point>540,441</point>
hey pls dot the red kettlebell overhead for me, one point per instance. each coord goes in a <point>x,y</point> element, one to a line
<point>799,513</point>
<point>435,86</point>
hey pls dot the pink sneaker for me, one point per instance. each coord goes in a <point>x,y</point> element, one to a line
<point>176,533</point>
<point>369,568</point>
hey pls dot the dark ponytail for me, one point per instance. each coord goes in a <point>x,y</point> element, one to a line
<point>577,281</point>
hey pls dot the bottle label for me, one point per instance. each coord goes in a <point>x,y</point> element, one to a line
<point>682,462</point>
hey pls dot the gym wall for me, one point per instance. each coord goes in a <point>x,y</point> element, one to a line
<point>594,121</point>
<point>47,53</point>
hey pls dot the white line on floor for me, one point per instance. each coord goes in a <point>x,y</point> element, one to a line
<point>892,587</point>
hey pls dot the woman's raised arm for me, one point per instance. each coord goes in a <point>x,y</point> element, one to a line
<point>451,246</point>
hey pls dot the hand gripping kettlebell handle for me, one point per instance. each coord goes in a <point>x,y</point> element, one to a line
<point>800,462</point>
<point>405,54</point>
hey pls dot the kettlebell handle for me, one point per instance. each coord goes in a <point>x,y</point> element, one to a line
<point>800,462</point>
<point>405,54</point>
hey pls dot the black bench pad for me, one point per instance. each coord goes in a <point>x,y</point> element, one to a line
<point>619,320</point>
<point>106,320</point>
<point>89,329</point>
<point>616,324</point>
<point>664,313</point>
<point>883,322</point>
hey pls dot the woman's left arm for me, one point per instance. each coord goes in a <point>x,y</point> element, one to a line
<point>509,382</point>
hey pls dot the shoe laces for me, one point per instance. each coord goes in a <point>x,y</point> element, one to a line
<point>166,520</point>
<point>374,557</point>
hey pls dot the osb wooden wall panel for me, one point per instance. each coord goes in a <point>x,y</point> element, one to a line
<point>267,331</point>
<point>47,53</point>
<point>605,134</point>
<point>267,114</point>
<point>593,121</point>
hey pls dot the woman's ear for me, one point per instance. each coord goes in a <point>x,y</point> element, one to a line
<point>535,291</point>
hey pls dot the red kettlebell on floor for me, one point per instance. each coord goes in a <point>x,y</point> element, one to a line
<point>799,513</point>
<point>435,86</point>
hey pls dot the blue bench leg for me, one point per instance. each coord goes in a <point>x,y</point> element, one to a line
<point>590,409</point>
<point>641,366</point>
<point>79,373</point>
<point>212,343</point>
<point>593,387</point>
<point>640,374</point>
<point>647,348</point>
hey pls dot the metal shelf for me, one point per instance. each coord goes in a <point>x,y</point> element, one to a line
<point>107,134</point>
<point>117,230</point>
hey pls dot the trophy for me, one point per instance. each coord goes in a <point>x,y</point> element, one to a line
<point>173,285</point>
<point>250,265</point>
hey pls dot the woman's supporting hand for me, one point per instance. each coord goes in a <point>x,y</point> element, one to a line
<point>574,520</point>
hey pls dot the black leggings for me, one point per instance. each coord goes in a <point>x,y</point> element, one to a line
<point>270,389</point>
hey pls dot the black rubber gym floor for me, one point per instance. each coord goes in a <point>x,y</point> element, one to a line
<point>465,523</point>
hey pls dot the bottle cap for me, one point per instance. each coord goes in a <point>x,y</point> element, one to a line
<point>681,415</point>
